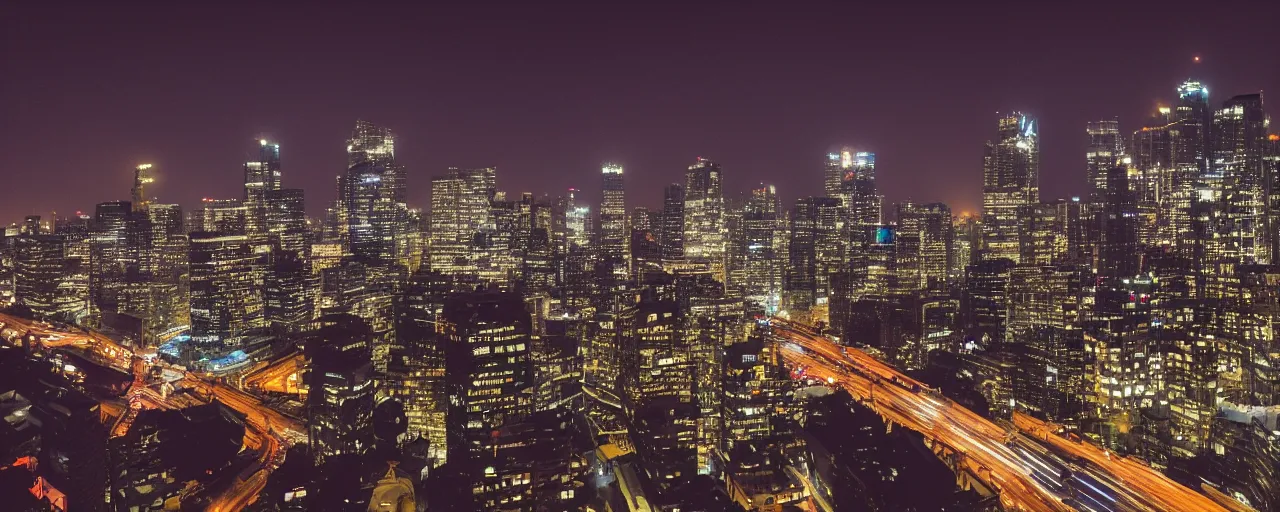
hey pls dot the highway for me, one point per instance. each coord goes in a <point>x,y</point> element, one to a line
<point>267,431</point>
<point>991,453</point>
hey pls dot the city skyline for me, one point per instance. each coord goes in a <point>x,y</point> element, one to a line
<point>196,123</point>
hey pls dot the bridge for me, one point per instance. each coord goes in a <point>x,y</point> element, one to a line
<point>1028,466</point>
<point>281,375</point>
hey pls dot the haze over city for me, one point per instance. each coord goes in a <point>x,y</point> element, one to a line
<point>545,93</point>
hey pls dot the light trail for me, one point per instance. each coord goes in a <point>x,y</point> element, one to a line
<point>980,442</point>
<point>261,421</point>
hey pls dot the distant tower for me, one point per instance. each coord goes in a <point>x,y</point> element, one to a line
<point>261,177</point>
<point>1010,179</point>
<point>615,238</point>
<point>704,229</point>
<point>141,178</point>
<point>1105,147</point>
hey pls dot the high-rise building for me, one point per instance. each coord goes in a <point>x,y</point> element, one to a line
<point>489,374</point>
<point>1105,147</point>
<point>763,232</point>
<point>39,272</point>
<point>460,210</point>
<point>705,236</point>
<point>671,233</point>
<point>342,388</point>
<point>926,232</point>
<point>643,220</point>
<point>261,177</point>
<point>615,237</point>
<point>226,299</point>
<point>287,220</point>
<point>1011,178</point>
<point>371,208</point>
<point>1239,137</point>
<point>814,251</point>
<point>141,178</point>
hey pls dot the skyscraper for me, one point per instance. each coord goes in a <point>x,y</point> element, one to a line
<point>615,237</point>
<point>765,263</point>
<point>1011,178</point>
<point>261,177</point>
<point>226,299</point>
<point>704,230</point>
<point>459,211</point>
<point>1239,138</point>
<point>814,251</point>
<point>671,233</point>
<point>1105,146</point>
<point>834,169</point>
<point>371,197</point>
<point>141,178</point>
<point>926,233</point>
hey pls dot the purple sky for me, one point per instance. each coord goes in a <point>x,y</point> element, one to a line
<point>547,93</point>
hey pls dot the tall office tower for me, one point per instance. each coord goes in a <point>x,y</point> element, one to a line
<point>459,211</point>
<point>704,229</point>
<point>814,252</point>
<point>287,220</point>
<point>986,287</point>
<point>495,253</point>
<point>342,390</point>
<point>735,269</point>
<point>370,143</point>
<point>1271,193</point>
<point>965,244</point>
<point>226,216</point>
<point>1105,147</point>
<point>1239,139</point>
<point>1048,295</point>
<point>141,178</point>
<point>1191,118</point>
<point>489,377</point>
<point>657,384</point>
<point>77,235</point>
<point>642,219</point>
<point>577,265</point>
<point>38,274</point>
<point>226,299</point>
<point>261,177</point>
<point>765,266</point>
<point>927,229</point>
<point>416,368</point>
<point>168,260</point>
<point>615,237</point>
<point>288,292</point>
<point>167,269</point>
<point>1118,253</point>
<point>833,172</point>
<point>110,254</point>
<point>1039,240</point>
<point>1153,150</point>
<point>754,391</point>
<point>1011,178</point>
<point>671,233</point>
<point>371,194</point>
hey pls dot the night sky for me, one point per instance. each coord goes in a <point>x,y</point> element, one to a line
<point>546,93</point>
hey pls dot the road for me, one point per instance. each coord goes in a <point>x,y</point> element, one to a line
<point>983,448</point>
<point>266,430</point>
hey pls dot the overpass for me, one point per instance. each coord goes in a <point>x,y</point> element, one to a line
<point>984,455</point>
<point>267,431</point>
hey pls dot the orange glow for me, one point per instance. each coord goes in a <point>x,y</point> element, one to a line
<point>1273,137</point>
<point>1196,58</point>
